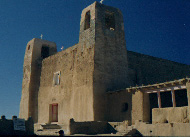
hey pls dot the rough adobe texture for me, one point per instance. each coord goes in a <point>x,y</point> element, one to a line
<point>95,65</point>
<point>188,98</point>
<point>166,129</point>
<point>140,107</point>
<point>151,70</point>
<point>110,59</point>
<point>31,77</point>
<point>115,106</point>
<point>74,94</point>
<point>169,115</point>
<point>147,70</point>
<point>88,70</point>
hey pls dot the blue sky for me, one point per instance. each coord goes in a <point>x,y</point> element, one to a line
<point>159,28</point>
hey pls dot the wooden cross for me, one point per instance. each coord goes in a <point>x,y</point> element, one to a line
<point>41,36</point>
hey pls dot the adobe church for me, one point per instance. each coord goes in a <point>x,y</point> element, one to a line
<point>99,80</point>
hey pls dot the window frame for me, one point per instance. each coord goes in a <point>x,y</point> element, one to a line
<point>56,78</point>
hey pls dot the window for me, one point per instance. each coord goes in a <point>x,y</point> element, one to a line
<point>87,20</point>
<point>109,21</point>
<point>181,98</point>
<point>56,78</point>
<point>166,99</point>
<point>44,52</point>
<point>28,47</point>
<point>124,107</point>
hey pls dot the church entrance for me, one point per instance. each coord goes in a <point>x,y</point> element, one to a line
<point>54,113</point>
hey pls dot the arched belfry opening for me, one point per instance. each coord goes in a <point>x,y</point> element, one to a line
<point>44,51</point>
<point>87,20</point>
<point>109,20</point>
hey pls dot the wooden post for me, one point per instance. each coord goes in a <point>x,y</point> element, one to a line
<point>159,100</point>
<point>173,98</point>
<point>188,97</point>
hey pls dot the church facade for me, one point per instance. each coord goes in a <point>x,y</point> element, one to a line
<point>96,79</point>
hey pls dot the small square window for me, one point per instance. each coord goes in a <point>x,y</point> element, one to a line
<point>56,78</point>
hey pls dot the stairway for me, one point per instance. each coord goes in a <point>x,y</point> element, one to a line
<point>50,129</point>
<point>51,126</point>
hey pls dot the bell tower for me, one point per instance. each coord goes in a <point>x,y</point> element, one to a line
<point>102,28</point>
<point>36,51</point>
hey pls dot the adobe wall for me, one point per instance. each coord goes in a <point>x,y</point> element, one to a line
<point>188,98</point>
<point>91,128</point>
<point>87,36</point>
<point>31,77</point>
<point>115,106</point>
<point>170,115</point>
<point>140,107</point>
<point>24,103</point>
<point>166,129</point>
<point>110,60</point>
<point>151,70</point>
<point>98,63</point>
<point>74,95</point>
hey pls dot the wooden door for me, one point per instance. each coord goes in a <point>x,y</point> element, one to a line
<point>54,112</point>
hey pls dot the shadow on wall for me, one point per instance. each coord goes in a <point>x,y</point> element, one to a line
<point>133,132</point>
<point>7,127</point>
<point>91,127</point>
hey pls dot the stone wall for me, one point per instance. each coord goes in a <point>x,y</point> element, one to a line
<point>151,70</point>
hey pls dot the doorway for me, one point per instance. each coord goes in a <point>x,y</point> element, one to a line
<point>54,113</point>
<point>153,103</point>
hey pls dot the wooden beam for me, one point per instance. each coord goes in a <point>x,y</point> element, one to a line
<point>176,87</point>
<point>173,98</point>
<point>159,100</point>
